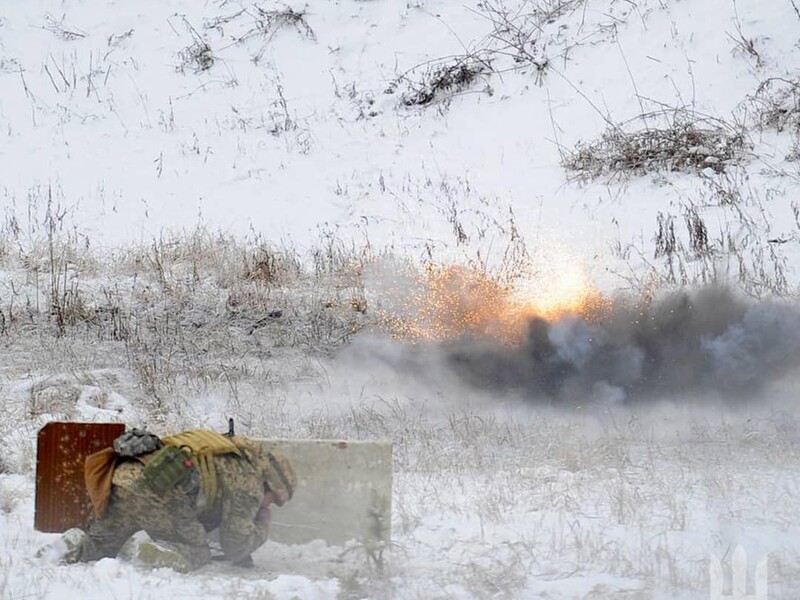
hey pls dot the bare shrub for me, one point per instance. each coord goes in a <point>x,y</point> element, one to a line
<point>9,498</point>
<point>744,45</point>
<point>197,56</point>
<point>268,265</point>
<point>258,23</point>
<point>742,252</point>
<point>747,47</point>
<point>520,32</point>
<point>520,37</point>
<point>777,104</point>
<point>68,305</point>
<point>698,232</point>
<point>688,143</point>
<point>665,236</point>
<point>62,31</point>
<point>442,79</point>
<point>268,22</point>
<point>332,257</point>
<point>52,255</point>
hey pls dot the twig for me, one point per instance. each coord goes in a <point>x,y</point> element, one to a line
<point>60,72</point>
<point>553,125</point>
<point>630,74</point>
<point>605,118</point>
<point>794,6</point>
<point>50,75</point>
<point>24,84</point>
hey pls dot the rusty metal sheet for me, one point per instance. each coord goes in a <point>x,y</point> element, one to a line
<point>61,498</point>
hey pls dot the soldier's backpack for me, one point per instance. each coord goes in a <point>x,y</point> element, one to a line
<point>204,446</point>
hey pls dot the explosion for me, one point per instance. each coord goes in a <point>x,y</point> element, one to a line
<point>556,337</point>
<point>450,302</point>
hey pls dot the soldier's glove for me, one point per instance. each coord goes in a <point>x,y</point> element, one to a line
<point>263,517</point>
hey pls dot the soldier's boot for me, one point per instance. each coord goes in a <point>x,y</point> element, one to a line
<point>66,549</point>
<point>245,563</point>
<point>143,551</point>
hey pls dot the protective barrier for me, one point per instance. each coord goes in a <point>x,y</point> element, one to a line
<point>344,492</point>
<point>61,448</point>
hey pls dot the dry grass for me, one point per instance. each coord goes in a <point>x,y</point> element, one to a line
<point>185,313</point>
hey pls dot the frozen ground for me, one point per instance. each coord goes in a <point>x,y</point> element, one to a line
<point>250,209</point>
<point>499,500</point>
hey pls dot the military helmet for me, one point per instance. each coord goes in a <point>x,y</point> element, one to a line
<point>279,475</point>
<point>136,442</point>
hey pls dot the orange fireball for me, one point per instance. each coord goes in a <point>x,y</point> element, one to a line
<point>454,301</point>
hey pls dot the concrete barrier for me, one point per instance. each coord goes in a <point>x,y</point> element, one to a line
<point>344,492</point>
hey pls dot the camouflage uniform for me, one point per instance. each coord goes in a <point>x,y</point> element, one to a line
<point>177,520</point>
<point>238,504</point>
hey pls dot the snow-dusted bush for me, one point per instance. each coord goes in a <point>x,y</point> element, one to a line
<point>443,79</point>
<point>688,143</point>
<point>777,104</point>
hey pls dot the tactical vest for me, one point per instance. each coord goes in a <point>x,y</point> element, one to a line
<point>204,446</point>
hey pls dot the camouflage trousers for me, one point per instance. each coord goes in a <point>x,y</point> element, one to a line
<point>167,518</point>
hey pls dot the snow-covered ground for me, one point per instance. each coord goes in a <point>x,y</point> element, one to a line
<point>174,173</point>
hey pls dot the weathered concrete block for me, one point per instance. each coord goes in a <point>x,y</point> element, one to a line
<point>344,492</point>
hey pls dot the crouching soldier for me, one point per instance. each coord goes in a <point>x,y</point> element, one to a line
<point>155,501</point>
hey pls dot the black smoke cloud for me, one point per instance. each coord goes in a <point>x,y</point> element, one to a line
<point>709,340</point>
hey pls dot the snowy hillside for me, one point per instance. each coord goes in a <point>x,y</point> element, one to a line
<point>548,247</point>
<point>240,116</point>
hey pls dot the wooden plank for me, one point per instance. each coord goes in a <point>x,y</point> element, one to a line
<point>61,498</point>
